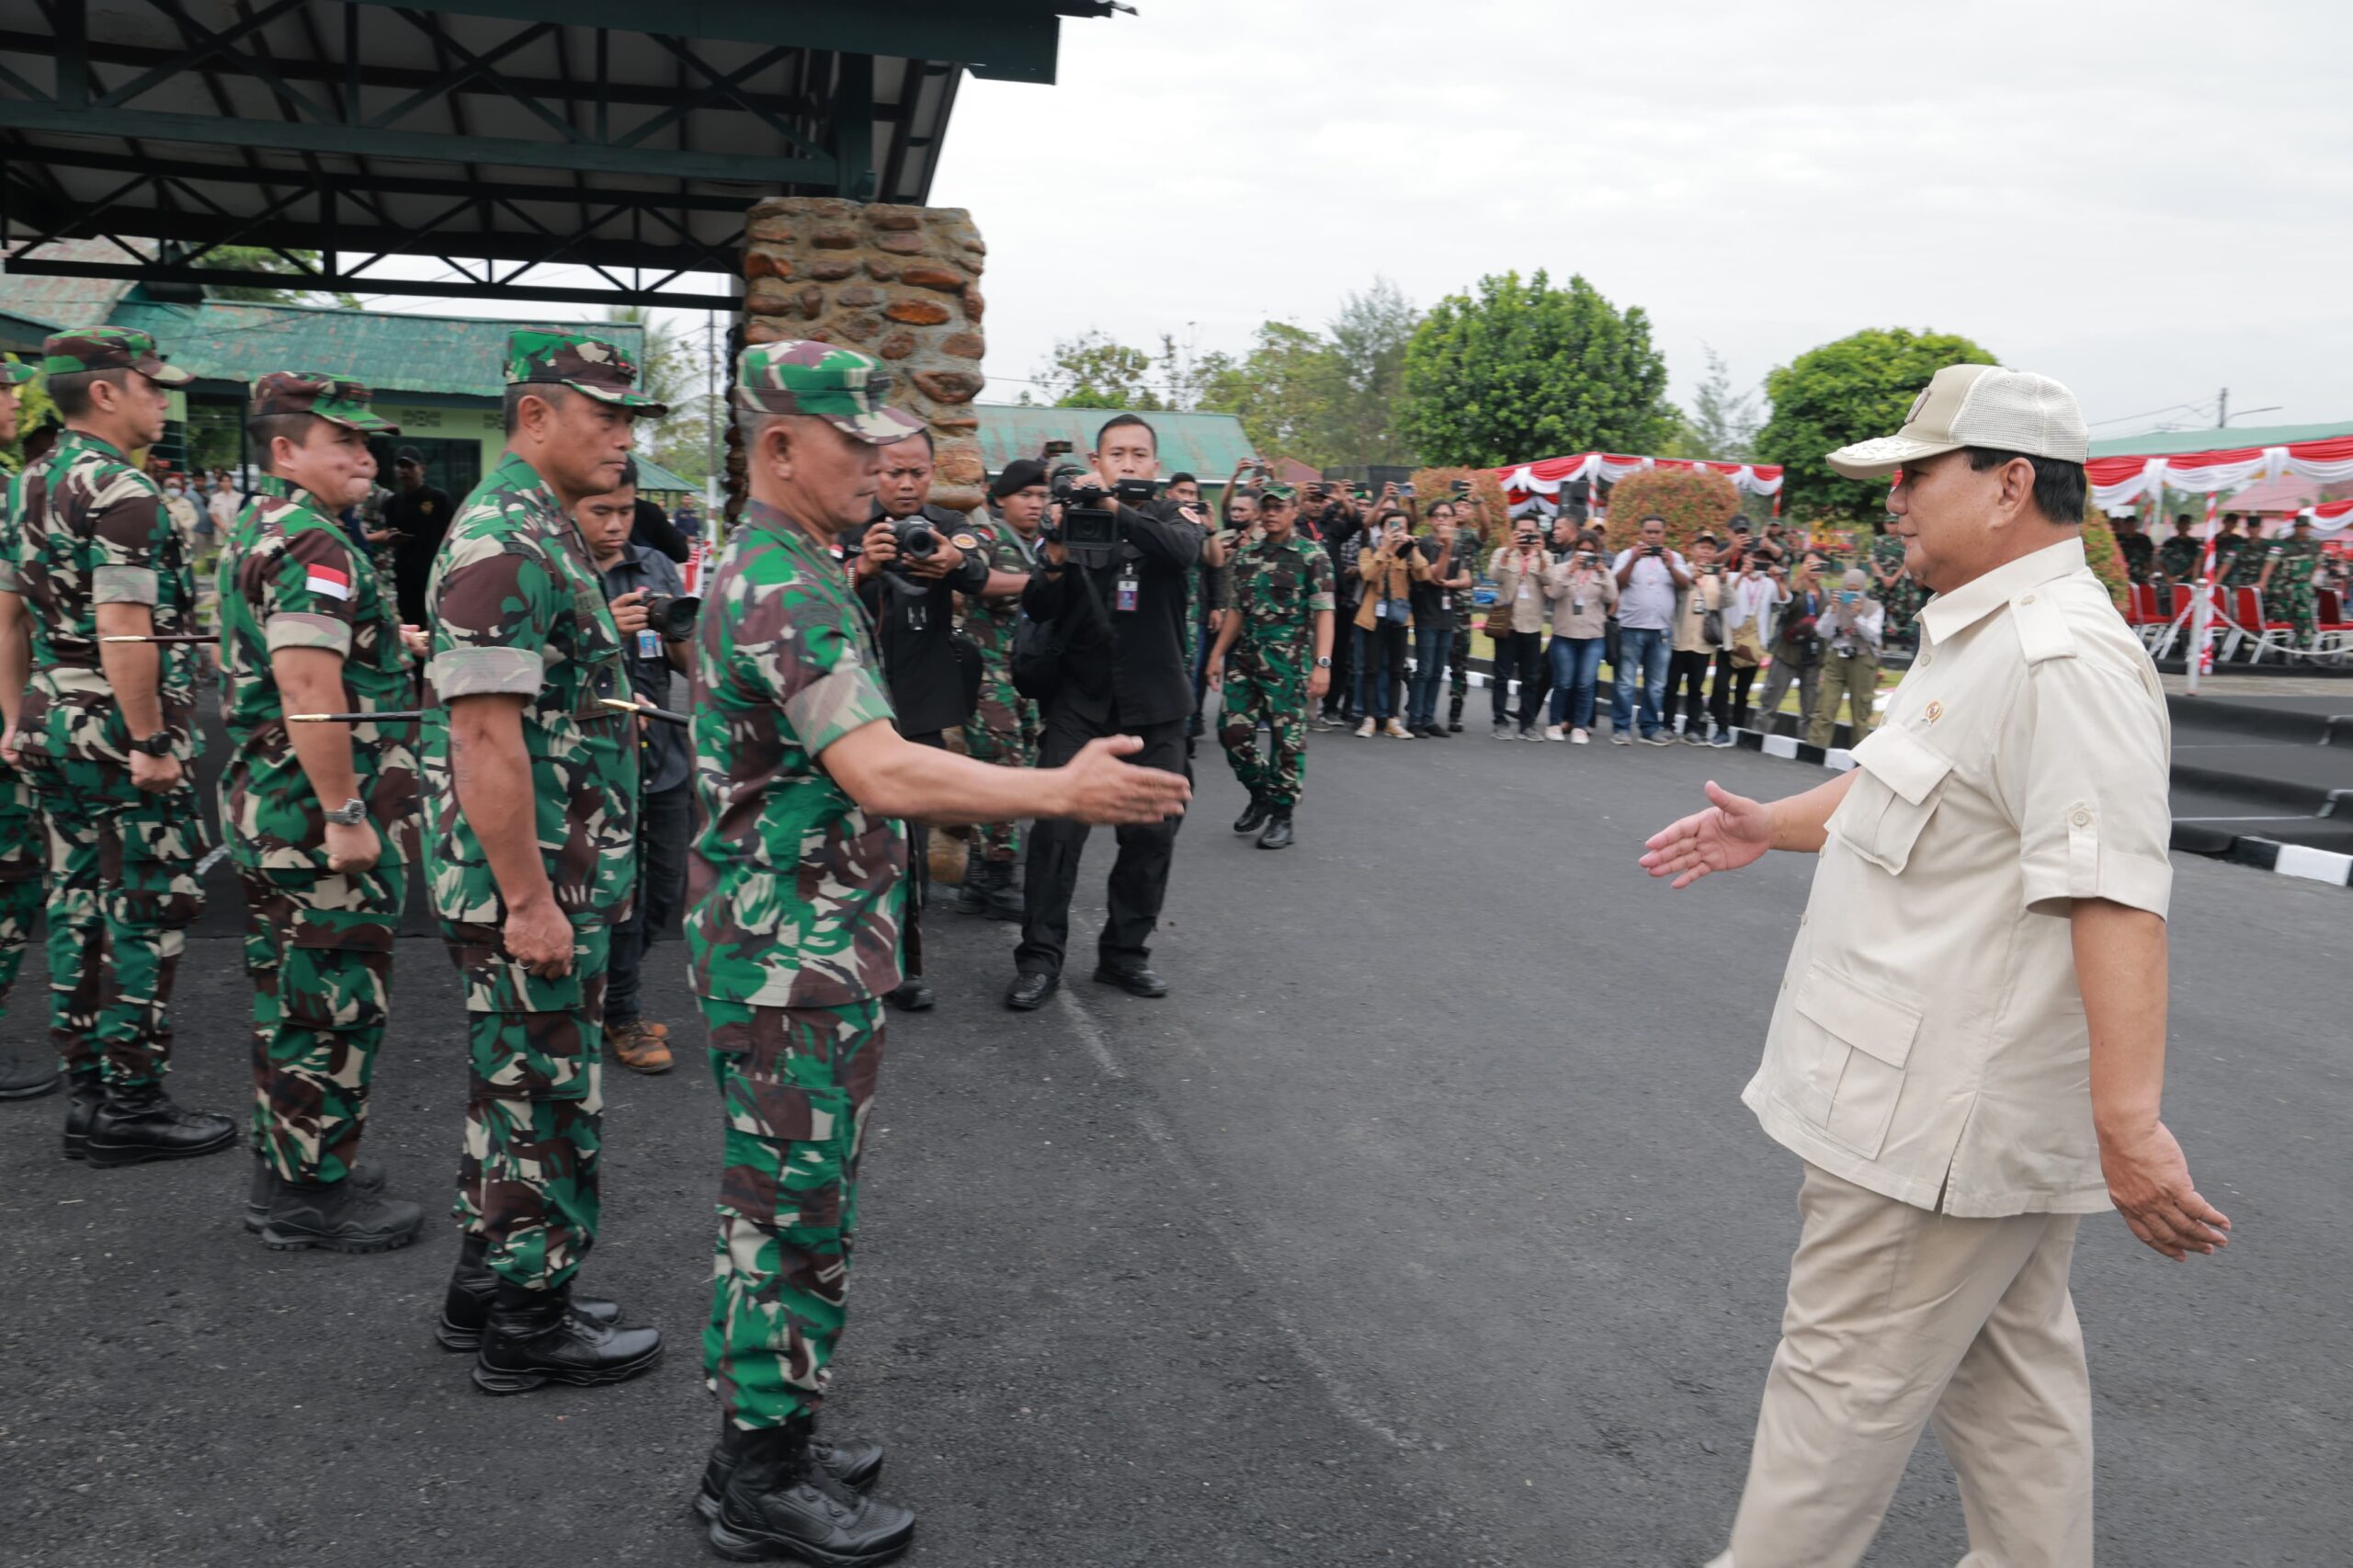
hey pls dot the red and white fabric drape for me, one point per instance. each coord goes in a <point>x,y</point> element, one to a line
<point>1541,481</point>
<point>2121,481</point>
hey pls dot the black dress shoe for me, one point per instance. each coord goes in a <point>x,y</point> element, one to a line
<point>23,1077</point>
<point>465,1306</point>
<point>340,1216</point>
<point>913,996</point>
<point>1136,980</point>
<point>132,1126</point>
<point>1028,992</point>
<point>1254,815</point>
<point>534,1337</point>
<point>83,1091</point>
<point>854,1463</point>
<point>781,1503</point>
<point>1277,836</point>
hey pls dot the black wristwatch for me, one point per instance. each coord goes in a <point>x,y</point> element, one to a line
<point>157,744</point>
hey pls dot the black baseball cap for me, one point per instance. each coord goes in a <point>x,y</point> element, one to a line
<point>408,455</point>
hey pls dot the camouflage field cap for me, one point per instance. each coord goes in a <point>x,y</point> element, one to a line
<point>1278,493</point>
<point>109,349</point>
<point>840,386</point>
<point>16,374</point>
<point>305,391</point>
<point>585,364</point>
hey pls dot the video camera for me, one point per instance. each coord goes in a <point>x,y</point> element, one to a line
<point>1089,525</point>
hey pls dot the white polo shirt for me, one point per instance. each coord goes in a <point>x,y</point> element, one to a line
<point>1928,1039</point>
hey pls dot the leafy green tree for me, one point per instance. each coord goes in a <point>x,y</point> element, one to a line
<point>1849,390</point>
<point>33,409</point>
<point>1368,339</point>
<point>262,259</point>
<point>1096,370</point>
<point>1518,370</point>
<point>1286,390</point>
<point>1721,425</point>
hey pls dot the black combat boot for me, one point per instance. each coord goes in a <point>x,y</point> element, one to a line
<point>132,1126</point>
<point>1254,815</point>
<point>83,1091</point>
<point>465,1308</point>
<point>264,1187</point>
<point>1278,833</point>
<point>1004,894</point>
<point>857,1464</point>
<point>1454,716</point>
<point>973,896</point>
<point>341,1216</point>
<point>534,1336</point>
<point>781,1503</point>
<point>27,1075</point>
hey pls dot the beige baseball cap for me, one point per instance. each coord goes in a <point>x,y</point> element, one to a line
<point>1976,405</point>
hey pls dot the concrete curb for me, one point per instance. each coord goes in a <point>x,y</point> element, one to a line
<point>2262,854</point>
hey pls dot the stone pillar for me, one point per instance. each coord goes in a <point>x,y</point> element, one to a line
<point>900,283</point>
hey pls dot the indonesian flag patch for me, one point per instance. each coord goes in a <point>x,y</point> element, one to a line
<point>327,580</point>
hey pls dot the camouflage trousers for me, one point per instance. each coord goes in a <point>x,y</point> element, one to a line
<point>526,1182</point>
<point>319,951</point>
<point>1266,685</point>
<point>122,893</point>
<point>23,852</point>
<point>1003,730</point>
<point>1457,671</point>
<point>795,1085</point>
<point>2299,607</point>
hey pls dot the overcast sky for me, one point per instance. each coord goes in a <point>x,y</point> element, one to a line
<point>2149,202</point>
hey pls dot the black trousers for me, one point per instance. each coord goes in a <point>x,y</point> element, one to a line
<point>1687,688</point>
<point>1728,700</point>
<point>1341,697</point>
<point>1139,875</point>
<point>1520,654</point>
<point>919,871</point>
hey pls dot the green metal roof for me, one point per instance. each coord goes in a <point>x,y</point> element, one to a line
<point>652,475</point>
<point>2164,443</point>
<point>1206,446</point>
<point>405,352</point>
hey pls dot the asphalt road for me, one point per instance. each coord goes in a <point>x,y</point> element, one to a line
<point>1422,1226</point>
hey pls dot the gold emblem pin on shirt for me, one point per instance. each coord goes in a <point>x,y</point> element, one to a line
<point>1936,710</point>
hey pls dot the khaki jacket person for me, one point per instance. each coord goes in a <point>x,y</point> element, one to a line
<point>1706,592</point>
<point>1389,576</point>
<point>1518,612</point>
<point>1581,598</point>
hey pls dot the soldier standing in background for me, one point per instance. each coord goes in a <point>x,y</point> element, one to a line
<point>2292,562</point>
<point>2177,557</point>
<point>107,739</point>
<point>530,796</point>
<point>23,1075</point>
<point>797,882</point>
<point>1899,596</point>
<point>2135,547</point>
<point>307,626</point>
<point>1279,597</point>
<point>1004,725</point>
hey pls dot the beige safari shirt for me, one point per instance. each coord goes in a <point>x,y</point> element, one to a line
<point>1928,1040</point>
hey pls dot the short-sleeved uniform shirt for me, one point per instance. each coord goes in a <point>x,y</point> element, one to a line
<point>1276,586</point>
<point>94,530</point>
<point>793,892</point>
<point>2178,557</point>
<point>292,579</point>
<point>517,608</point>
<point>1928,1041</point>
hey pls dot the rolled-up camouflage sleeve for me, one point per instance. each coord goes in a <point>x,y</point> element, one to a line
<point>129,529</point>
<point>1319,581</point>
<point>310,594</point>
<point>497,611</point>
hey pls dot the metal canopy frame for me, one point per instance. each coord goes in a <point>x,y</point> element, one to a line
<point>499,138</point>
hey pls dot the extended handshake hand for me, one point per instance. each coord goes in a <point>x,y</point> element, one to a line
<point>1730,834</point>
<point>1101,789</point>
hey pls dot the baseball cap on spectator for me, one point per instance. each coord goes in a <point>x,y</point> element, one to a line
<point>1018,475</point>
<point>1976,405</point>
<point>409,455</point>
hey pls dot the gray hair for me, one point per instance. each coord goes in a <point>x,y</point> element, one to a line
<point>1855,578</point>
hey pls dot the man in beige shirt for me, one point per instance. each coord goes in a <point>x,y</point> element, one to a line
<point>1968,1051</point>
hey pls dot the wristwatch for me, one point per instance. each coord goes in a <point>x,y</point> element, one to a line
<point>1324,663</point>
<point>351,814</point>
<point>157,744</point>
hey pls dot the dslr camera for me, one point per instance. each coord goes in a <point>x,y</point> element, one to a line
<point>1089,525</point>
<point>671,615</point>
<point>916,539</point>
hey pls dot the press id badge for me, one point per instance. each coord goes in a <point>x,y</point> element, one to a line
<point>649,644</point>
<point>1128,590</point>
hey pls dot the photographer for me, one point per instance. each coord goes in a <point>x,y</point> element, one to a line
<point>1797,650</point>
<point>1853,629</point>
<point>1751,597</point>
<point>1700,629</point>
<point>914,559</point>
<point>1326,513</point>
<point>639,578</point>
<point>1583,593</point>
<point>1437,594</point>
<point>1516,628</point>
<point>1650,576</point>
<point>1120,666</point>
<point>1385,619</point>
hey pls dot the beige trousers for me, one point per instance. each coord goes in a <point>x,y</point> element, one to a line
<point>1857,676</point>
<point>1897,1316</point>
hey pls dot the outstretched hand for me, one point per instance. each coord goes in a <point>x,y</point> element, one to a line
<point>1104,789</point>
<point>1733,832</point>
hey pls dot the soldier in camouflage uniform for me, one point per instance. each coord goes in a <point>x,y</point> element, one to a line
<point>2289,563</point>
<point>530,791</point>
<point>796,887</point>
<point>2238,557</point>
<point>1898,595</point>
<point>322,823</point>
<point>22,842</point>
<point>1273,656</point>
<point>108,741</point>
<point>1004,725</point>
<point>2177,557</point>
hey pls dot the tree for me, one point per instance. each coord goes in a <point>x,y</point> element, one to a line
<point>33,409</point>
<point>1285,390</point>
<point>1719,425</point>
<point>1841,392</point>
<point>1095,370</point>
<point>294,264</point>
<point>1518,370</point>
<point>672,366</point>
<point>1368,339</point>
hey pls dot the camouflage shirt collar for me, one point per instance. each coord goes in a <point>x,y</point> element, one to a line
<point>70,437</point>
<point>514,473</point>
<point>269,484</point>
<point>769,519</point>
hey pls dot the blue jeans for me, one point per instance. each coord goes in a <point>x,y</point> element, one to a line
<point>1430,645</point>
<point>1576,667</point>
<point>1641,652</point>
<point>1380,668</point>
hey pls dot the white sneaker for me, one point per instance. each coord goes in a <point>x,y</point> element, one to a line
<point>1364,730</point>
<point>1580,737</point>
<point>1397,732</point>
<point>1552,732</point>
<point>1620,738</point>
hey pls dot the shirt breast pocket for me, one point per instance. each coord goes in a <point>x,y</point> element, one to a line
<point>1901,784</point>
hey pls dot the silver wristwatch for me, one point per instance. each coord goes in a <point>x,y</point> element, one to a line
<point>351,814</point>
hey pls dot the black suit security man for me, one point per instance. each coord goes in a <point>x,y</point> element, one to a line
<point>913,599</point>
<point>1124,670</point>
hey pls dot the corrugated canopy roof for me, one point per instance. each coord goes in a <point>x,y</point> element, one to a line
<point>2164,443</point>
<point>1206,446</point>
